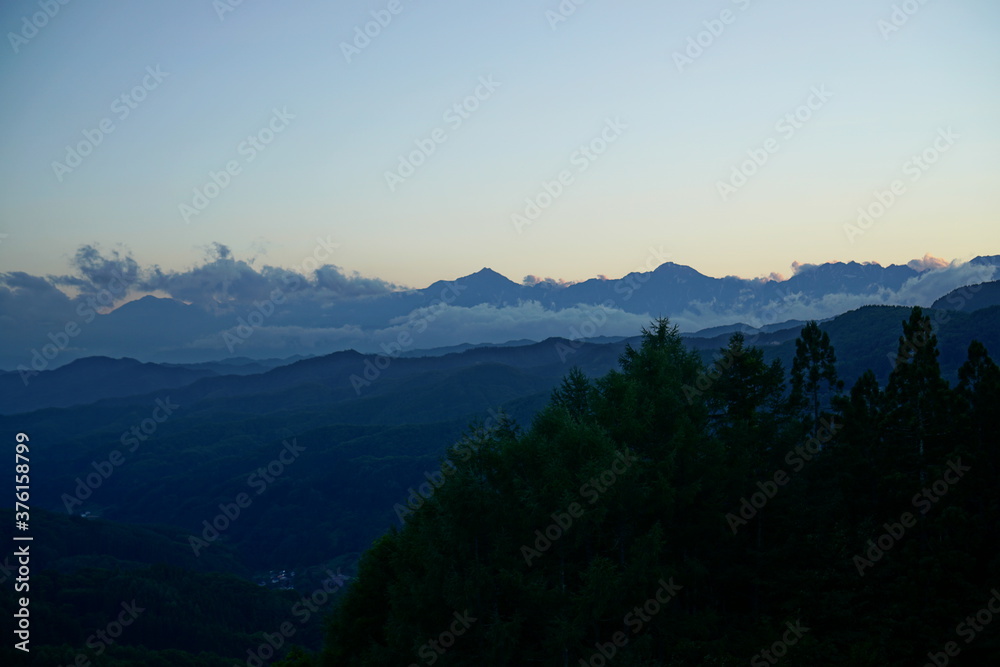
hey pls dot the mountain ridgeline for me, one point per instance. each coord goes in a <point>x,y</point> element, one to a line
<point>662,499</point>
<point>275,313</point>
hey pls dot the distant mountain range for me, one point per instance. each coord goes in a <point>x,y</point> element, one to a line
<point>271,318</point>
<point>372,425</point>
<point>348,379</point>
<point>674,289</point>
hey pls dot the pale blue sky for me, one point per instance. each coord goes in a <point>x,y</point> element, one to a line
<point>324,174</point>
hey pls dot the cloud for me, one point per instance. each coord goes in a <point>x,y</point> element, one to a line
<point>224,284</point>
<point>485,323</point>
<point>334,281</point>
<point>259,247</point>
<point>325,308</point>
<point>31,308</point>
<point>934,283</point>
<point>927,263</point>
<point>921,290</point>
<point>29,302</point>
<point>773,277</point>
<point>430,327</point>
<point>219,251</point>
<point>220,285</point>
<point>280,341</point>
<point>532,281</point>
<point>97,271</point>
<point>18,280</point>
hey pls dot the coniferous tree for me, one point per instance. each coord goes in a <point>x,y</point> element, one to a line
<point>979,397</point>
<point>549,584</point>
<point>919,403</point>
<point>814,372</point>
<point>743,400</point>
<point>575,394</point>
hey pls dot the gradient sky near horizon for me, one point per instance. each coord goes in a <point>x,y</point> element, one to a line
<point>655,186</point>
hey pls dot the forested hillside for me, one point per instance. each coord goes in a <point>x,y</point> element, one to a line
<point>116,595</point>
<point>670,513</point>
<point>691,461</point>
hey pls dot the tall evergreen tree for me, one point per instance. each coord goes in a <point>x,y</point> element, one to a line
<point>575,393</point>
<point>553,538</point>
<point>814,372</point>
<point>918,399</point>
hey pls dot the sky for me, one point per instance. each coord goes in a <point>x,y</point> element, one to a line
<point>738,136</point>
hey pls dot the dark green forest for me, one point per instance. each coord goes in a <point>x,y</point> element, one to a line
<point>109,594</point>
<point>750,498</point>
<point>678,513</point>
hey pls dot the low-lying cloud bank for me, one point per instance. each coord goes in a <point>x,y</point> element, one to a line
<point>921,290</point>
<point>229,307</point>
